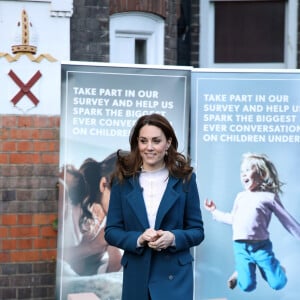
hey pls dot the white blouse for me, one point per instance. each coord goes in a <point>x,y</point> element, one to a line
<point>154,184</point>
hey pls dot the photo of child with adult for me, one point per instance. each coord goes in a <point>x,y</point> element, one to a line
<point>87,262</point>
<point>85,216</point>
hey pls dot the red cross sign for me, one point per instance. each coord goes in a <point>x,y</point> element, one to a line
<point>25,88</point>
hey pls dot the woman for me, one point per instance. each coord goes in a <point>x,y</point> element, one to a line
<point>154,214</point>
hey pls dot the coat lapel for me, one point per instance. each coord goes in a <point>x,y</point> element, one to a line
<point>136,201</point>
<point>169,198</point>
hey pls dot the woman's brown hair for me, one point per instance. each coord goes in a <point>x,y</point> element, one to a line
<point>129,163</point>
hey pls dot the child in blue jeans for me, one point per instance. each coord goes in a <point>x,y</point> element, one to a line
<point>250,217</point>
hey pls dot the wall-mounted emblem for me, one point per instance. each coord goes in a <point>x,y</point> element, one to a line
<point>25,87</point>
<point>25,42</point>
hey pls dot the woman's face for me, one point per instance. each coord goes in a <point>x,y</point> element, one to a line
<point>152,145</point>
<point>250,177</point>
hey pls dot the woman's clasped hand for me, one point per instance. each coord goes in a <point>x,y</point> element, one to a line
<point>156,239</point>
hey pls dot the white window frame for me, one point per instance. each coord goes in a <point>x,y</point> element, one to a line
<point>206,57</point>
<point>125,28</point>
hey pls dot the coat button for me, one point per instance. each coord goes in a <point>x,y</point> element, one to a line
<point>171,277</point>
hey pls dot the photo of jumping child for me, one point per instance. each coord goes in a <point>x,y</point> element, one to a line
<point>250,218</point>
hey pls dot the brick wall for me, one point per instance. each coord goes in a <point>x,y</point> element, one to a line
<point>157,7</point>
<point>172,14</point>
<point>90,31</point>
<point>29,156</point>
<point>298,36</point>
<point>195,28</point>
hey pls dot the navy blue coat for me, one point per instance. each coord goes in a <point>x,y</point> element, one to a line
<point>168,274</point>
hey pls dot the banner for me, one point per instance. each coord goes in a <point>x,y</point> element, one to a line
<point>100,105</point>
<point>233,113</point>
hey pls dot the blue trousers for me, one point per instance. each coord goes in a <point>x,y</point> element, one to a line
<point>248,255</point>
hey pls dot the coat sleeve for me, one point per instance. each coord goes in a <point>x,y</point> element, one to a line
<point>192,233</point>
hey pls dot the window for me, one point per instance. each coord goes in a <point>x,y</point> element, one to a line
<point>140,51</point>
<point>248,33</point>
<point>136,38</point>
